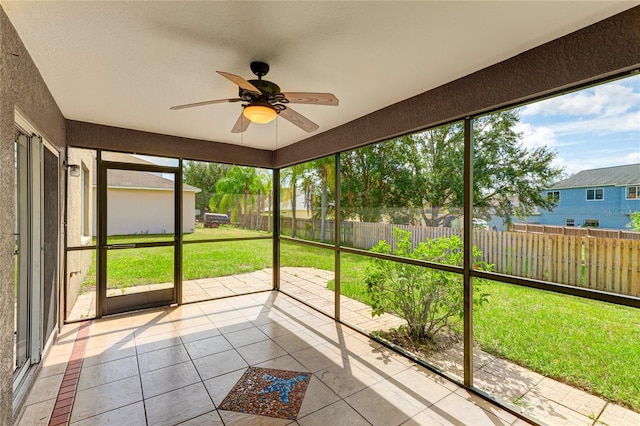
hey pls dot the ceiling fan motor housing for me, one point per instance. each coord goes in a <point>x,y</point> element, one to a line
<point>270,93</point>
<point>266,87</point>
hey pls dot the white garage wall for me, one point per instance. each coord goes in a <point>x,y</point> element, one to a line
<point>146,211</point>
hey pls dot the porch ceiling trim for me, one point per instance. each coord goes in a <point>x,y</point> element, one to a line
<point>96,136</point>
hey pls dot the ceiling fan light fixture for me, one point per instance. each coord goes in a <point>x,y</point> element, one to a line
<point>260,113</point>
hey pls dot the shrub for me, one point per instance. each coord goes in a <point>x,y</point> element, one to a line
<point>429,300</point>
<point>635,221</point>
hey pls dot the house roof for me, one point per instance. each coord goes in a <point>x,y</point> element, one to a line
<point>606,176</point>
<point>142,180</point>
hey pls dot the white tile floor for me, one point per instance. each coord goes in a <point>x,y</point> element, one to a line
<point>175,366</point>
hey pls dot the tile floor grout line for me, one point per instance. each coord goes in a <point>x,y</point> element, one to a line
<point>61,414</point>
<point>191,359</point>
<point>135,346</point>
<point>596,419</point>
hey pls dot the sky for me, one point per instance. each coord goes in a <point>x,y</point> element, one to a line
<point>588,129</point>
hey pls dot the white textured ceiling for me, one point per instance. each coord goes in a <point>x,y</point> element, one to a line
<point>125,63</point>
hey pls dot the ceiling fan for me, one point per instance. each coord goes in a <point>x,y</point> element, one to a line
<point>265,101</point>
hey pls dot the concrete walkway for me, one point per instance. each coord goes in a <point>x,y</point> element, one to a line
<point>547,400</point>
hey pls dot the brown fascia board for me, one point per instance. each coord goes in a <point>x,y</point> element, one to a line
<point>601,50</point>
<point>96,136</point>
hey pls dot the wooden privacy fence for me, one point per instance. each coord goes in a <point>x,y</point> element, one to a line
<point>607,264</point>
<point>366,235</point>
<point>600,263</point>
<point>362,235</point>
<point>579,231</point>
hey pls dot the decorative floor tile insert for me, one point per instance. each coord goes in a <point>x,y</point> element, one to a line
<point>268,392</point>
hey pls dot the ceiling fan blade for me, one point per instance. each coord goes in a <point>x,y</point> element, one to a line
<point>241,82</point>
<point>299,120</point>
<point>196,104</point>
<point>241,125</point>
<point>311,98</point>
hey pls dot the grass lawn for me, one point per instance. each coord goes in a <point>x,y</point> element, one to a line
<point>223,231</point>
<point>588,344</point>
<point>140,266</point>
<point>591,345</point>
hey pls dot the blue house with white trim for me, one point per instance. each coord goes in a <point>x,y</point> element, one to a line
<point>603,198</point>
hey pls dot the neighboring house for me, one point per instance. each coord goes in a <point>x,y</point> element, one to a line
<point>603,198</point>
<point>152,195</point>
<point>303,207</point>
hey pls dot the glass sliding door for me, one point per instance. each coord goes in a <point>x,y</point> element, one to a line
<point>36,251</point>
<point>51,243</point>
<point>21,257</point>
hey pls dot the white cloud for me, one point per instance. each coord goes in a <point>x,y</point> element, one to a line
<point>633,157</point>
<point>536,136</point>
<point>607,100</point>
<point>587,162</point>
<point>589,129</point>
<point>601,125</point>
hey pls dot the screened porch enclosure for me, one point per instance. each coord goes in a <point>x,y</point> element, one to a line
<point>361,243</point>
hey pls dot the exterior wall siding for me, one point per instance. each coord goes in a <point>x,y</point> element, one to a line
<point>79,262</point>
<point>611,212</point>
<point>152,211</point>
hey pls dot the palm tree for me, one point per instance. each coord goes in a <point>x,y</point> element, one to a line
<point>261,186</point>
<point>325,170</point>
<point>237,189</point>
<point>290,176</point>
<point>268,192</point>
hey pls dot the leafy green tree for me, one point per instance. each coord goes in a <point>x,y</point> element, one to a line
<point>203,175</point>
<point>429,300</point>
<point>240,189</point>
<point>436,161</point>
<point>509,179</point>
<point>314,180</point>
<point>375,181</point>
<point>421,175</point>
<point>635,221</point>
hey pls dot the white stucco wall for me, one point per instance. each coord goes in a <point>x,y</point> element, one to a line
<point>189,212</point>
<point>79,262</point>
<point>146,211</point>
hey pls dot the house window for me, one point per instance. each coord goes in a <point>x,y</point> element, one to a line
<point>633,192</point>
<point>554,195</point>
<point>592,223</point>
<point>570,222</point>
<point>596,194</point>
